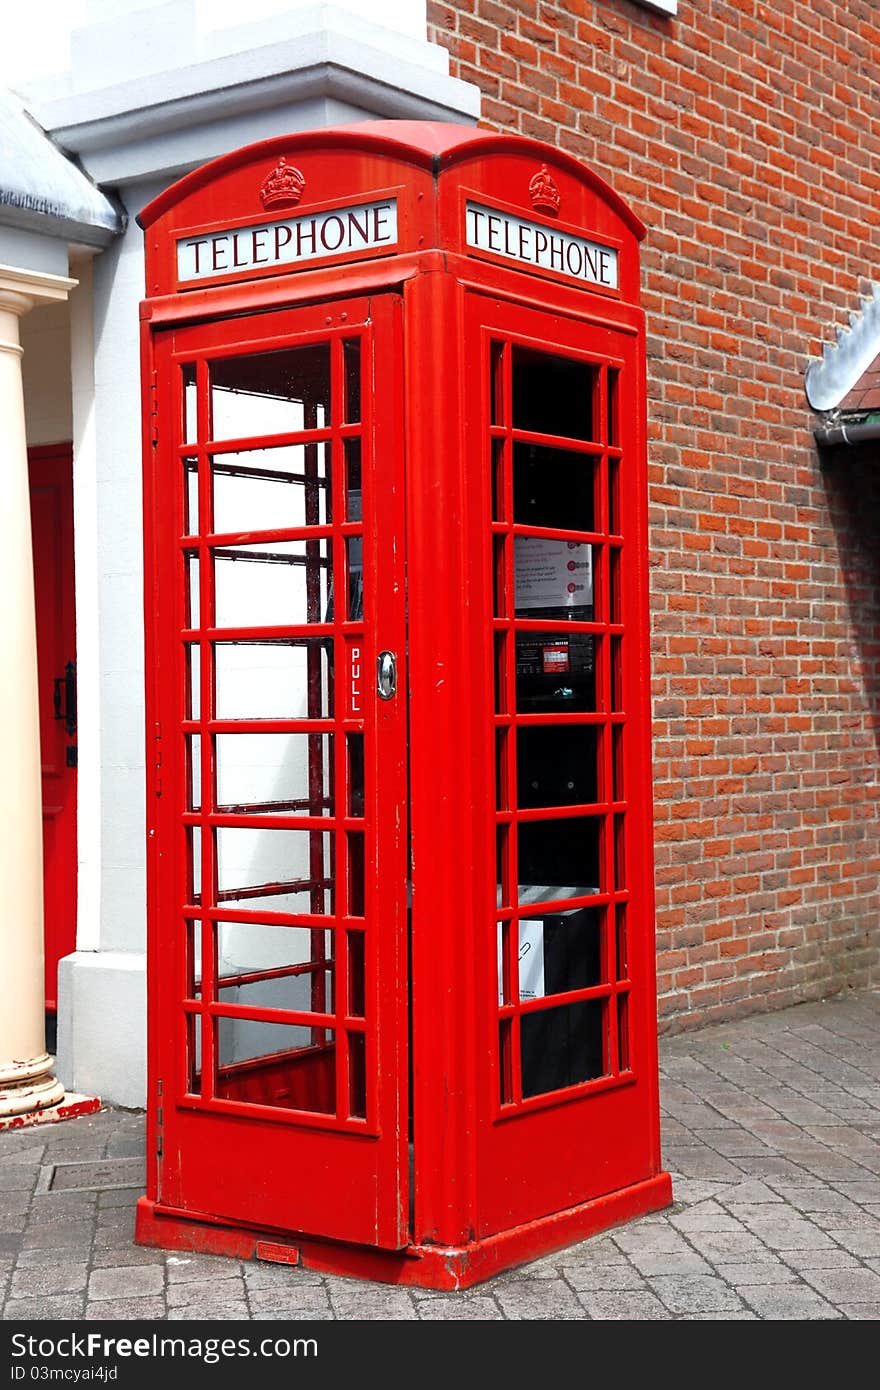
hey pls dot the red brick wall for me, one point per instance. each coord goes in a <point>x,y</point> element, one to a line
<point>747,137</point>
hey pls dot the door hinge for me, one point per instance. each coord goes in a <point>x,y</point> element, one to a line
<point>154,408</point>
<point>160,1121</point>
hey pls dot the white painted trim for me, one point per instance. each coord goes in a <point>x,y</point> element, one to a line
<point>38,285</point>
<point>668,7</point>
<point>88,654</point>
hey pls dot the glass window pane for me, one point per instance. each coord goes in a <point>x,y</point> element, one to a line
<point>273,584</point>
<point>562,1047</point>
<point>271,967</point>
<point>274,680</point>
<point>277,870</point>
<point>190,426</point>
<point>267,489</point>
<point>557,953</point>
<point>552,395</point>
<point>192,703</point>
<point>553,487</point>
<point>270,392</point>
<point>556,766</point>
<point>558,859</point>
<point>276,1064</point>
<point>555,671</point>
<point>353,481</point>
<point>190,497</point>
<point>357,1075</point>
<point>274,774</point>
<point>192,591</point>
<point>553,579</point>
<point>194,772</point>
<point>351,349</point>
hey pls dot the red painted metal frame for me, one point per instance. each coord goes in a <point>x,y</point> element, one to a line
<point>493,1184</point>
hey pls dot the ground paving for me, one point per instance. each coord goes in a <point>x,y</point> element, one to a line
<point>771,1130</point>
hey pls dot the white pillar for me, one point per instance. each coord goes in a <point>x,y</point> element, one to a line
<point>26,1080</point>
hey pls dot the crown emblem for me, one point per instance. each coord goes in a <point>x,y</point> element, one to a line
<point>543,191</point>
<point>283,188</point>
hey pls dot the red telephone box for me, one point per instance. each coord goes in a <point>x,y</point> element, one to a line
<point>401,974</point>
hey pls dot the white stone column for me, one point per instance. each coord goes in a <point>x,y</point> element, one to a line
<point>26,1080</point>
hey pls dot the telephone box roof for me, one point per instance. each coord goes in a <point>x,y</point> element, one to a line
<point>433,145</point>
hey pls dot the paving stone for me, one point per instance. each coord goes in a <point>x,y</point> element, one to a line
<point>30,1281</point>
<point>845,1285</point>
<point>787,1302</point>
<point>184,1269</point>
<point>12,1203</point>
<point>699,1162</point>
<point>694,1293</point>
<point>624,1306</point>
<point>770,1273</point>
<point>302,1300</point>
<point>731,1247</point>
<point>327,1315</point>
<point>368,1301</point>
<point>449,1309</point>
<point>67,1206</point>
<point>260,1275</point>
<point>61,1306</point>
<point>831,1258</point>
<point>706,1216</point>
<point>816,1199</point>
<point>539,1298</point>
<point>119,1197</point>
<point>221,1312</point>
<point>650,1263</point>
<point>58,1234</point>
<point>584,1277</point>
<point>734,1315</point>
<point>18,1177</point>
<point>859,1242</point>
<point>108,1256</point>
<point>125,1309</point>
<point>650,1239</point>
<point>869,1312</point>
<point>205,1292</point>
<point>126,1282</point>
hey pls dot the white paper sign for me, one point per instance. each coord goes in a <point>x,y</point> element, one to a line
<point>552,574</point>
<point>531,960</point>
<point>367,226</point>
<point>530,243</point>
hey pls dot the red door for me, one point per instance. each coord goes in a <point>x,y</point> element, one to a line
<point>278,796</point>
<point>51,486</point>
<point>569,1083</point>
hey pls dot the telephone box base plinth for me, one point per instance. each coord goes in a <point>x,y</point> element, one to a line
<point>424,1266</point>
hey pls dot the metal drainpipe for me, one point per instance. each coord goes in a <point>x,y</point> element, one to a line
<point>831,435</point>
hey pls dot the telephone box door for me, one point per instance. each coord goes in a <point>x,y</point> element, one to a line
<point>279,785</point>
<point>570,1033</point>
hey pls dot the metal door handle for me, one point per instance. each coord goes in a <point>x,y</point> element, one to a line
<point>386,675</point>
<point>65,686</point>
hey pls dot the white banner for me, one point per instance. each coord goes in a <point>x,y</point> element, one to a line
<point>530,243</point>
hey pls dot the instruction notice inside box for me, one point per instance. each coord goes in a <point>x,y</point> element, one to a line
<point>553,574</point>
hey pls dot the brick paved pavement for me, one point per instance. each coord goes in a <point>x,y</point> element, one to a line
<point>771,1130</point>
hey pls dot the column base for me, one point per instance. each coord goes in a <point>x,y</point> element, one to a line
<point>69,1108</point>
<point>27,1086</point>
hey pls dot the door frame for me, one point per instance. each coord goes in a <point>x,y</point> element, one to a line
<point>51,466</point>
